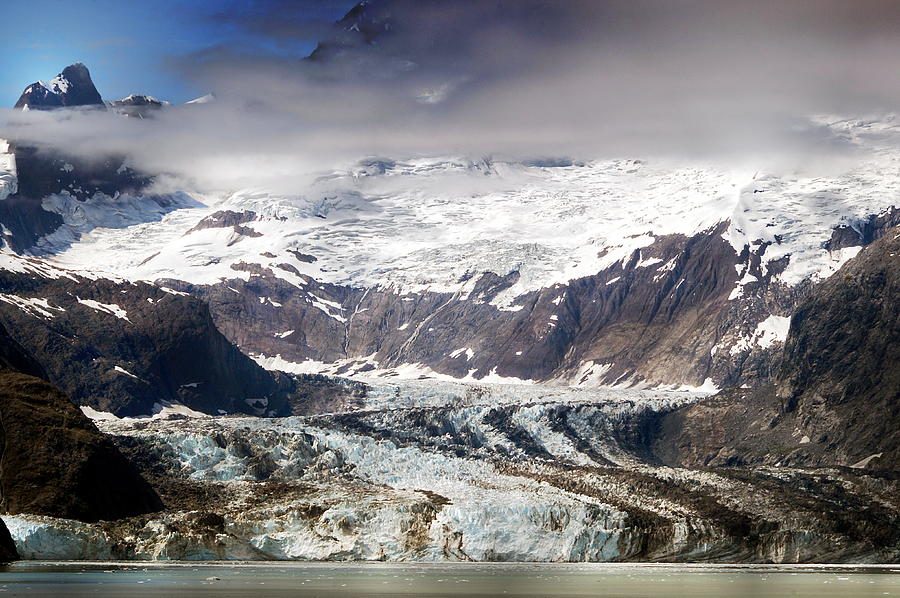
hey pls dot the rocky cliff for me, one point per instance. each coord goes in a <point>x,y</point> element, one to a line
<point>129,349</point>
<point>836,398</point>
<point>8,550</point>
<point>55,461</point>
<point>71,88</point>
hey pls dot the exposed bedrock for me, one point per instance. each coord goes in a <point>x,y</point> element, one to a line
<point>129,348</point>
<point>55,462</point>
<point>836,398</point>
<point>8,550</point>
<point>680,311</point>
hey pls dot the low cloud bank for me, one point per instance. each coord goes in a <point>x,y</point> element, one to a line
<point>730,81</point>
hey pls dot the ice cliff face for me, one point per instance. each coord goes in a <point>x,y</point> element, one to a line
<point>467,473</point>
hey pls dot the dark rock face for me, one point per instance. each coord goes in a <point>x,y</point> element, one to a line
<point>14,357</point>
<point>125,347</point>
<point>229,219</point>
<point>73,87</point>
<point>42,173</point>
<point>864,232</point>
<point>836,398</point>
<point>37,96</point>
<point>7,546</point>
<point>842,358</point>
<point>651,319</point>
<point>137,106</point>
<point>55,462</point>
<point>363,24</point>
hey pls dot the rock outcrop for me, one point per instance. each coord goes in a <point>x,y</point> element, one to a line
<point>71,88</point>
<point>137,106</point>
<point>130,348</point>
<point>836,398</point>
<point>55,462</point>
<point>8,550</point>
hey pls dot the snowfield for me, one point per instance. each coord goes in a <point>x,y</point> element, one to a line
<point>427,223</point>
<point>437,224</point>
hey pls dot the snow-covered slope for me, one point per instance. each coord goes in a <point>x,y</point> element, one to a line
<point>408,239</point>
<point>424,231</point>
<point>427,223</point>
<point>8,179</point>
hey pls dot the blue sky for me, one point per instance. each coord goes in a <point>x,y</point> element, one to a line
<point>128,46</point>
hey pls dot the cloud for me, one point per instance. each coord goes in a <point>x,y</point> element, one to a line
<point>729,81</point>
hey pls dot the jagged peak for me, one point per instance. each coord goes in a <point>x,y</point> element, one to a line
<point>139,99</point>
<point>72,87</point>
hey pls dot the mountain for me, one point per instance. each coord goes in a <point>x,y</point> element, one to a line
<point>108,344</point>
<point>72,87</point>
<point>137,106</point>
<point>363,25</point>
<point>685,276</point>
<point>53,460</point>
<point>33,177</point>
<point>394,357</point>
<point>836,398</point>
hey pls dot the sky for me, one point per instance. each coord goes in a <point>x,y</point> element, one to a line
<point>727,80</point>
<point>130,46</point>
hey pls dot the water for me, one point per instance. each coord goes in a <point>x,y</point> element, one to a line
<point>335,580</point>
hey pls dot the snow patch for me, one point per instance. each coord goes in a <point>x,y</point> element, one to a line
<point>97,415</point>
<point>108,308</point>
<point>122,370</point>
<point>469,353</point>
<point>35,306</point>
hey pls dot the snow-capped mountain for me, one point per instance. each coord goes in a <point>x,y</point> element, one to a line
<point>624,272</point>
<point>137,105</point>
<point>72,87</point>
<point>462,357</point>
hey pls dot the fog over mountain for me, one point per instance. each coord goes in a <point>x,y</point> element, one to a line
<point>731,80</point>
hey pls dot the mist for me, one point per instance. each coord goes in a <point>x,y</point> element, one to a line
<point>736,83</point>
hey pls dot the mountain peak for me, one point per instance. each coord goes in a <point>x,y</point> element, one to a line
<point>72,87</point>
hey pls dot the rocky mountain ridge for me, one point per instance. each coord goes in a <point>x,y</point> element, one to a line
<point>697,295</point>
<point>71,88</point>
<point>836,397</point>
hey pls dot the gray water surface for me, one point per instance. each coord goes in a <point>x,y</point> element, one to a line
<point>338,580</point>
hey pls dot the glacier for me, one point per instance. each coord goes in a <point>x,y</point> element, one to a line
<point>450,472</point>
<point>426,222</point>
